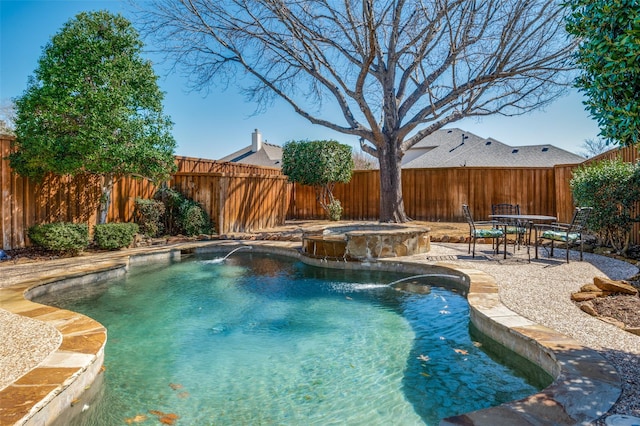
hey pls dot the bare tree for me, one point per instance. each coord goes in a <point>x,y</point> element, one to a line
<point>363,161</point>
<point>7,117</point>
<point>396,70</point>
<point>594,147</point>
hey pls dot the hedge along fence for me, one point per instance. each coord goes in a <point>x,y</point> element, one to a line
<point>235,202</point>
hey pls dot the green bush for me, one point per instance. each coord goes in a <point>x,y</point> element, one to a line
<point>114,236</point>
<point>60,237</point>
<point>320,164</point>
<point>192,219</point>
<point>334,209</point>
<point>171,199</point>
<point>149,216</point>
<point>612,188</point>
<point>183,215</point>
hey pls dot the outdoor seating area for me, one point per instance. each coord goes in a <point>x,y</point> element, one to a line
<point>535,230</point>
<point>511,226</point>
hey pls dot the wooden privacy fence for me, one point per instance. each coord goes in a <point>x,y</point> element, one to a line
<point>243,197</point>
<point>237,197</point>
<point>238,202</point>
<point>438,194</point>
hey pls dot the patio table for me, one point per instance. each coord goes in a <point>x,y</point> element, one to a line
<point>522,219</point>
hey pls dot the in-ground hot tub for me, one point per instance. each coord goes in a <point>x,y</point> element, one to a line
<point>365,242</point>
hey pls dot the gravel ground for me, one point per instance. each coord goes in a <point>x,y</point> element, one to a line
<point>25,344</point>
<point>538,290</point>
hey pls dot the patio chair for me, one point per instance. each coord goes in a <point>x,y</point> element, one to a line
<point>492,232</point>
<point>512,227</point>
<point>568,233</point>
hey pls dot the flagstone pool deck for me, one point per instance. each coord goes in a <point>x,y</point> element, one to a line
<point>51,356</point>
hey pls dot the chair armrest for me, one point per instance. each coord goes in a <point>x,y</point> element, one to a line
<point>553,226</point>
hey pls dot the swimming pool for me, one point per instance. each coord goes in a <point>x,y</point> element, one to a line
<point>262,339</point>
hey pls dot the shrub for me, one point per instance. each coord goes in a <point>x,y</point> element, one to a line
<point>114,236</point>
<point>612,188</point>
<point>334,210</point>
<point>149,216</point>
<point>192,219</point>
<point>320,164</point>
<point>183,215</point>
<point>171,199</point>
<point>60,237</point>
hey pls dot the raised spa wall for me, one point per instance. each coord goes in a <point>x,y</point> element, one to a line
<point>362,243</point>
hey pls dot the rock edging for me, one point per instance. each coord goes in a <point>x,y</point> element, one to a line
<point>603,287</point>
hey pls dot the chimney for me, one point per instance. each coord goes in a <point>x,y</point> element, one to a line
<point>256,141</point>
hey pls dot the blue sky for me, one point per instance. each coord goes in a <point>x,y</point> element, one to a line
<point>220,122</point>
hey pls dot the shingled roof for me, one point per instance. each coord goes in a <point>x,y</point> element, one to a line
<point>268,155</point>
<point>457,148</point>
<point>259,153</point>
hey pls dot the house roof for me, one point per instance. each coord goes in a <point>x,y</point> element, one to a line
<point>447,148</point>
<point>268,155</point>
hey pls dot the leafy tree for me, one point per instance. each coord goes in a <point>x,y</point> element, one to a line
<point>320,164</point>
<point>609,34</point>
<point>612,188</point>
<point>394,71</point>
<point>94,107</point>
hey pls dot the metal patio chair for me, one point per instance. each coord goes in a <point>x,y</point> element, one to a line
<point>512,227</point>
<point>568,233</point>
<point>493,232</point>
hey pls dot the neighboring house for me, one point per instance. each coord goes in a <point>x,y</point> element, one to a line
<point>258,153</point>
<point>457,148</point>
<point>443,148</point>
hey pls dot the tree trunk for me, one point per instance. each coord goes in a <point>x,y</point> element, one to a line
<point>391,201</point>
<point>105,198</point>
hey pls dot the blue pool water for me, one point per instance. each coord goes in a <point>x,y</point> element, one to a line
<point>265,340</point>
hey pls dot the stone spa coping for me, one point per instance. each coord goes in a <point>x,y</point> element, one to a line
<point>585,386</point>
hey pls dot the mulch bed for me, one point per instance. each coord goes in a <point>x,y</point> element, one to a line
<point>622,307</point>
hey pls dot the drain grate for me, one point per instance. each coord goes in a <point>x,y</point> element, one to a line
<point>441,258</point>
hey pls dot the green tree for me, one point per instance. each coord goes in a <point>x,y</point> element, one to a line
<point>320,164</point>
<point>388,72</point>
<point>609,35</point>
<point>93,107</point>
<point>612,188</point>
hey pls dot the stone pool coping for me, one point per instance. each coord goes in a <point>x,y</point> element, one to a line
<point>585,386</point>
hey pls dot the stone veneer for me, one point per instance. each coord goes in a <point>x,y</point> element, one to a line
<point>365,242</point>
<point>585,386</point>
